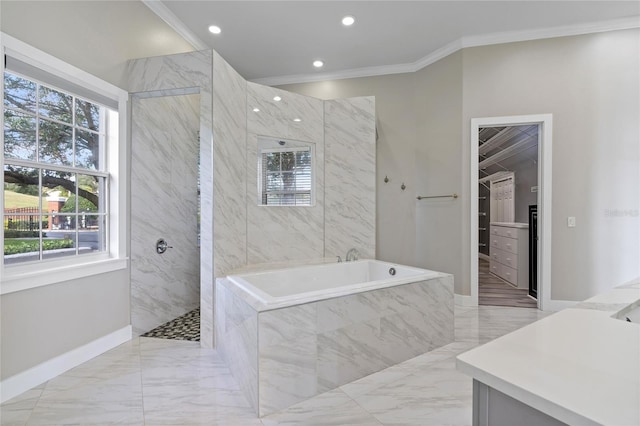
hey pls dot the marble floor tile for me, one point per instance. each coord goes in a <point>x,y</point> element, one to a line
<point>86,400</point>
<point>167,382</point>
<point>17,410</point>
<point>437,395</point>
<point>330,408</point>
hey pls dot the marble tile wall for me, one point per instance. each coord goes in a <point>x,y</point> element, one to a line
<point>243,232</point>
<point>283,233</point>
<point>350,176</point>
<point>304,350</point>
<point>309,349</point>
<point>164,204</point>
<point>236,325</point>
<point>188,71</point>
<point>229,175</point>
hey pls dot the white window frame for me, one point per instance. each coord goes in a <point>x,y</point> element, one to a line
<point>263,142</point>
<point>35,274</point>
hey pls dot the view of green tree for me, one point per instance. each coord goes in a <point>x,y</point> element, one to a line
<point>24,101</point>
<point>84,205</point>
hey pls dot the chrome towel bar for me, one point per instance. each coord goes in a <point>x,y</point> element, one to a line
<point>421,197</point>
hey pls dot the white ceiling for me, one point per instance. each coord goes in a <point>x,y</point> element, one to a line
<point>275,42</point>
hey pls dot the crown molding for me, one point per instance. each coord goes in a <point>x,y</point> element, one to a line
<point>552,32</point>
<point>462,43</point>
<point>176,24</point>
<point>337,75</point>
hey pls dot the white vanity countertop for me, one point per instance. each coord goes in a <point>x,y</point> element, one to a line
<point>580,366</point>
<point>511,224</point>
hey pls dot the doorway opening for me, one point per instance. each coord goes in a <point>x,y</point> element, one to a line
<point>507,189</point>
<point>510,184</point>
<point>165,210</point>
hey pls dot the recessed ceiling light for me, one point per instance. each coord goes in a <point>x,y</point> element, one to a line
<point>318,63</point>
<point>214,29</point>
<point>297,120</point>
<point>256,110</point>
<point>348,20</point>
<point>277,98</point>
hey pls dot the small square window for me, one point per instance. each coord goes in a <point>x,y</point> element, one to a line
<point>285,173</point>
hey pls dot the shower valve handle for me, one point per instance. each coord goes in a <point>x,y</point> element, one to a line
<point>162,246</point>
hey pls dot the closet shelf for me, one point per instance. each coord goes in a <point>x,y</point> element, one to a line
<point>524,144</point>
<point>498,140</point>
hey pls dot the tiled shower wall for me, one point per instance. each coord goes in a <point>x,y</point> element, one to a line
<point>284,233</point>
<point>350,176</point>
<point>164,158</point>
<point>243,233</point>
<point>171,75</point>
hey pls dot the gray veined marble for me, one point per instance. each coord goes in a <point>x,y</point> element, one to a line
<point>164,173</point>
<point>290,233</point>
<point>234,230</point>
<point>284,356</point>
<point>350,185</point>
<point>229,177</point>
<point>185,72</point>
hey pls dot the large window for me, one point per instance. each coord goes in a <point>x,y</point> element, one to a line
<point>285,173</point>
<point>63,155</point>
<point>54,172</point>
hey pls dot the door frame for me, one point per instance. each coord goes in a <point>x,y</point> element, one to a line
<point>545,137</point>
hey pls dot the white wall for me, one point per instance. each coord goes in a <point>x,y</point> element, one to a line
<point>590,84</point>
<point>95,36</point>
<point>437,163</point>
<point>42,323</point>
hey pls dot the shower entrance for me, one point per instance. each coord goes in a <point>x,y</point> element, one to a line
<point>165,254</point>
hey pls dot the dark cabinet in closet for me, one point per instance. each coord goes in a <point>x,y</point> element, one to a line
<point>533,251</point>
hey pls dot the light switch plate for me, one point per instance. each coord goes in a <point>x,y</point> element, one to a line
<point>571,221</point>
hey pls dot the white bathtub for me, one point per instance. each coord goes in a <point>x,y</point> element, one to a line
<point>303,284</point>
<point>290,334</point>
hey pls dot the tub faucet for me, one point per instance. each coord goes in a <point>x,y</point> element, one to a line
<point>352,255</point>
<point>339,259</point>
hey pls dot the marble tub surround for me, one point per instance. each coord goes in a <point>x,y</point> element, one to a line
<point>307,349</point>
<point>271,288</point>
<point>585,362</point>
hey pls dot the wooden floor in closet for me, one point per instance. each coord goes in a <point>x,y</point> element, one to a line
<point>497,292</point>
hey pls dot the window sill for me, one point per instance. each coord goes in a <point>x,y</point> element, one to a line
<point>19,279</point>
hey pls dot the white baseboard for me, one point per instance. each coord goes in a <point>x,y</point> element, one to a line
<point>462,300</point>
<point>484,257</point>
<point>22,382</point>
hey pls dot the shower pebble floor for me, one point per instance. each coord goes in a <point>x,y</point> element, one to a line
<point>150,381</point>
<point>186,327</point>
